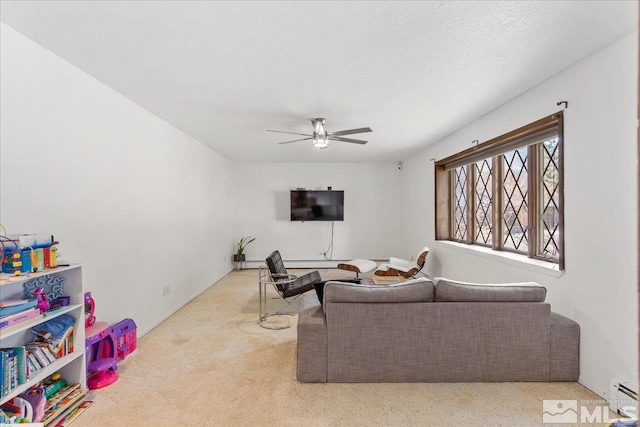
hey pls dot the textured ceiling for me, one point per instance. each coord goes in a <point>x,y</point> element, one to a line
<point>224,72</point>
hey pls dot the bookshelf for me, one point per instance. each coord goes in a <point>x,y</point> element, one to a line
<point>72,367</point>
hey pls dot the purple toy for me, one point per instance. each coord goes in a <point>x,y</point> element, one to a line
<point>43,299</point>
<point>35,396</point>
<point>89,309</point>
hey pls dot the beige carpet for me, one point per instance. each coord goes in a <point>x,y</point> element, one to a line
<point>210,364</point>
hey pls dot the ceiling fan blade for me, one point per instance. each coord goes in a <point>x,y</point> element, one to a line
<point>338,138</point>
<point>350,131</point>
<point>295,140</point>
<point>292,133</point>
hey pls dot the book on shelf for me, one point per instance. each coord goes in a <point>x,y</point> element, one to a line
<point>12,302</point>
<point>21,316</point>
<point>72,414</point>
<point>65,345</point>
<point>14,368</point>
<point>74,403</point>
<point>62,403</point>
<point>59,345</point>
<point>42,353</point>
<point>5,311</point>
<point>32,363</point>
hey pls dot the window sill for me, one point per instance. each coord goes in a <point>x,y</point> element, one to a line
<point>536,265</point>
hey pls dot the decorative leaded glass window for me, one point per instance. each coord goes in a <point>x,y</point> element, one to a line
<point>506,193</point>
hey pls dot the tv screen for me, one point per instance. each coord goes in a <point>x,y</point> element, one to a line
<point>317,205</point>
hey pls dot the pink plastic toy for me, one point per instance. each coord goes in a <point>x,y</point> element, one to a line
<point>100,349</point>
<point>43,299</point>
<point>89,309</point>
<point>125,332</point>
<point>101,356</point>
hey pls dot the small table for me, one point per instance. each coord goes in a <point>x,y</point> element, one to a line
<point>266,278</point>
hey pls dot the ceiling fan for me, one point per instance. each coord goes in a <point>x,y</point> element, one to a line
<point>321,137</point>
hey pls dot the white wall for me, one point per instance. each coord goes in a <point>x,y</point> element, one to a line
<point>372,220</point>
<point>137,202</point>
<point>598,288</point>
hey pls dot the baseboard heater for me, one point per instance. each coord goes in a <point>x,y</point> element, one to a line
<point>622,399</point>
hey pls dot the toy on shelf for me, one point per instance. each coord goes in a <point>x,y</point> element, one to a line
<point>27,253</point>
<point>100,344</point>
<point>43,300</point>
<point>37,402</point>
<point>52,384</point>
<point>11,257</point>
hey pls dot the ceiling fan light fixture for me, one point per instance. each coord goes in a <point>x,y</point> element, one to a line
<point>321,142</point>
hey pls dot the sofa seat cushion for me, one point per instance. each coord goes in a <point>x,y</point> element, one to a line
<point>447,290</point>
<point>416,290</point>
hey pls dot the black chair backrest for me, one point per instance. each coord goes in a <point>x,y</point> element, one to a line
<point>275,264</point>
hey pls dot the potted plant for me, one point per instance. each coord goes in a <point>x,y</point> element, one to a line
<point>240,245</point>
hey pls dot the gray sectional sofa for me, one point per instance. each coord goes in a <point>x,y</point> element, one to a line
<point>440,331</point>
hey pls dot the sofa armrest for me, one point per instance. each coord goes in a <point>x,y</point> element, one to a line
<point>312,341</point>
<point>565,348</point>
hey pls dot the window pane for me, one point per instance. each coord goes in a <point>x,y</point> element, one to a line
<point>483,212</point>
<point>514,207</point>
<point>549,200</point>
<point>459,231</point>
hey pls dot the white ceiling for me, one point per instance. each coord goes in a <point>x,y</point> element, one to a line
<point>224,72</point>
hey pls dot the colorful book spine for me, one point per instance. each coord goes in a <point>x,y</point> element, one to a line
<point>40,353</point>
<point>14,368</point>
<point>2,367</point>
<point>9,381</point>
<point>12,302</point>
<point>5,311</point>
<point>15,318</point>
<point>34,361</point>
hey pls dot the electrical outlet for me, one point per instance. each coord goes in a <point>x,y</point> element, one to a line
<point>166,290</point>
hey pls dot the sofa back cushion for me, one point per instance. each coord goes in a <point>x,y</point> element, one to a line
<point>453,291</point>
<point>416,290</point>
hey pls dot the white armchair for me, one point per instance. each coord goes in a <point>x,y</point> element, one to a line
<point>403,267</point>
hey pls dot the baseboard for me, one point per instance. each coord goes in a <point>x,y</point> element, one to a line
<point>305,263</point>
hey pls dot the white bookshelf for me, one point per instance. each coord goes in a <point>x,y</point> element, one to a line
<point>72,367</point>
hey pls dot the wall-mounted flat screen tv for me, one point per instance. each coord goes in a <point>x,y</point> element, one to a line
<point>317,205</point>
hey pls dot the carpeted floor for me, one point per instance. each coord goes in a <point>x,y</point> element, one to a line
<point>211,364</point>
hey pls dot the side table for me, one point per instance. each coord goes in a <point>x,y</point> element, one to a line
<point>266,278</point>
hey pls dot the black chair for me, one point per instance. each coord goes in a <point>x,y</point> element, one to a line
<point>288,286</point>
<point>285,287</point>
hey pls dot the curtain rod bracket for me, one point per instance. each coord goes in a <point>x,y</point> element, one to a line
<point>475,141</point>
<point>566,104</point>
